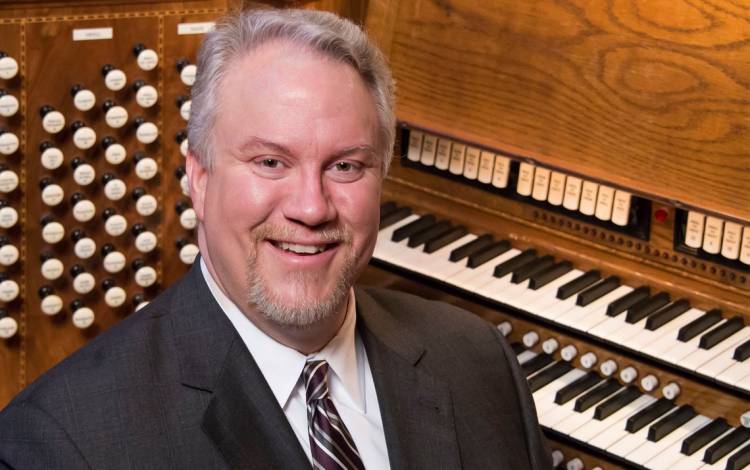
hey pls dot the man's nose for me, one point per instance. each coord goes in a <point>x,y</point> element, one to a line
<point>309,201</point>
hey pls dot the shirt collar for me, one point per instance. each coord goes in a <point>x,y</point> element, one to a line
<point>282,366</point>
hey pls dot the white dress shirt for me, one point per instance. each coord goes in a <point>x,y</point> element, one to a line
<point>350,380</point>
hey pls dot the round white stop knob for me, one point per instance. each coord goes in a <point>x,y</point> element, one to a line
<point>8,105</point>
<point>608,367</point>
<point>114,262</point>
<point>9,290</point>
<point>8,217</point>
<point>52,194</point>
<point>53,122</point>
<point>115,225</point>
<point>505,328</point>
<point>589,360</point>
<point>568,353</point>
<point>52,158</point>
<point>146,241</point>
<point>146,132</point>
<point>185,109</point>
<point>84,174</point>
<point>84,283</point>
<point>115,189</point>
<point>85,248</point>
<point>146,96</point>
<point>145,276</point>
<point>51,305</point>
<point>83,317</point>
<point>115,296</point>
<point>649,383</point>
<point>628,374</point>
<point>116,117</point>
<point>53,232</point>
<point>146,168</point>
<point>115,154</point>
<point>84,99</point>
<point>8,67</point>
<point>84,137</point>
<point>115,79</point>
<point>8,327</point>
<point>147,59</point>
<point>187,74</point>
<point>84,210</point>
<point>671,391</point>
<point>8,181</point>
<point>9,255</point>
<point>8,143</point>
<point>52,269</point>
<point>146,205</point>
<point>188,253</point>
<point>188,219</point>
<point>550,345</point>
<point>530,339</point>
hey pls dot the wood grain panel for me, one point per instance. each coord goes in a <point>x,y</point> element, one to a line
<point>652,96</point>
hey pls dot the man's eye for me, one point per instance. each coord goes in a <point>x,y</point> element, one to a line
<point>344,166</point>
<point>270,163</point>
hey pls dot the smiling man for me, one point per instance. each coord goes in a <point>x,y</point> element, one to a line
<point>265,355</point>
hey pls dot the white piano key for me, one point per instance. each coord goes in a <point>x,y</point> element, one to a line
<point>578,419</point>
<point>666,335</point>
<point>667,457</point>
<point>544,398</point>
<point>614,421</point>
<point>721,464</point>
<point>383,243</point>
<point>695,461</point>
<point>648,450</point>
<point>558,413</point>
<point>631,441</point>
<point>437,264</point>
<point>617,431</point>
<point>583,318</point>
<point>679,349</point>
<point>723,359</point>
<point>734,374</point>
<point>701,356</point>
<point>547,294</point>
<point>483,273</point>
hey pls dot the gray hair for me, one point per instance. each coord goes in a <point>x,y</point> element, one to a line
<point>334,37</point>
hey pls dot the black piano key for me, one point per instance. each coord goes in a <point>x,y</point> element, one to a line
<point>578,284</point>
<point>529,269</point>
<point>411,228</point>
<point>445,239</point>
<point>597,394</point>
<point>508,266</point>
<point>488,253</point>
<point>720,333</point>
<point>616,402</point>
<point>658,430</point>
<point>548,275</point>
<point>667,314</point>
<point>517,347</point>
<point>390,219</point>
<point>598,290</point>
<point>577,387</point>
<point>653,411</point>
<point>699,325</point>
<point>646,307</point>
<point>474,246</point>
<point>387,208</point>
<point>549,374</point>
<point>537,363</point>
<point>740,459</point>
<point>704,435</point>
<point>726,444</point>
<point>628,300</point>
<point>433,231</point>
<point>742,352</point>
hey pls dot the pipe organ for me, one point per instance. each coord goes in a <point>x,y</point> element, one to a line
<point>576,173</point>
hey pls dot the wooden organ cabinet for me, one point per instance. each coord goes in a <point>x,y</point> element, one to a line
<point>578,173</point>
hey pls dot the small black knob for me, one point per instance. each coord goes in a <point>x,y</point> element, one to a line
<point>45,290</point>
<point>181,206</point>
<point>77,269</point>
<point>107,249</point>
<point>108,212</point>
<point>107,177</point>
<point>138,192</point>
<point>76,162</point>
<point>107,141</point>
<point>181,64</point>
<point>76,197</point>
<point>77,125</point>
<point>76,304</point>
<point>138,48</point>
<point>45,109</point>
<point>138,229</point>
<point>137,264</point>
<point>108,283</point>
<point>138,156</point>
<point>138,121</point>
<point>180,242</point>
<point>180,136</point>
<point>107,105</point>
<point>44,182</point>
<point>4,240</point>
<point>75,89</point>
<point>138,84</point>
<point>138,299</point>
<point>106,68</point>
<point>45,145</point>
<point>180,100</point>
<point>46,255</point>
<point>180,172</point>
<point>77,234</point>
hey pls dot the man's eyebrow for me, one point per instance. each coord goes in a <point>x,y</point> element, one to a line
<point>364,148</point>
<point>257,142</point>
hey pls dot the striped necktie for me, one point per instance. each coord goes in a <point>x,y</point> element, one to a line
<point>331,445</point>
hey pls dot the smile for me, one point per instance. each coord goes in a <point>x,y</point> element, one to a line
<point>301,249</point>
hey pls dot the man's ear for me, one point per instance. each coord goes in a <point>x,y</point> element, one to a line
<point>197,181</point>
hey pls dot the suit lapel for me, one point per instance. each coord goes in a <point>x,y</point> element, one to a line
<point>416,408</point>
<point>243,418</point>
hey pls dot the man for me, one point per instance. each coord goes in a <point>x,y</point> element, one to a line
<point>263,355</point>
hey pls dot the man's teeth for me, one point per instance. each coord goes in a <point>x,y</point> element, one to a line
<point>301,249</point>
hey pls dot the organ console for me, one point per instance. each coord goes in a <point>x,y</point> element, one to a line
<point>574,172</point>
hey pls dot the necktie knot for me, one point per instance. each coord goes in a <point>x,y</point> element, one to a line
<point>315,375</point>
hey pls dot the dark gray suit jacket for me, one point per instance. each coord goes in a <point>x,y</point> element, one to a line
<point>173,386</point>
